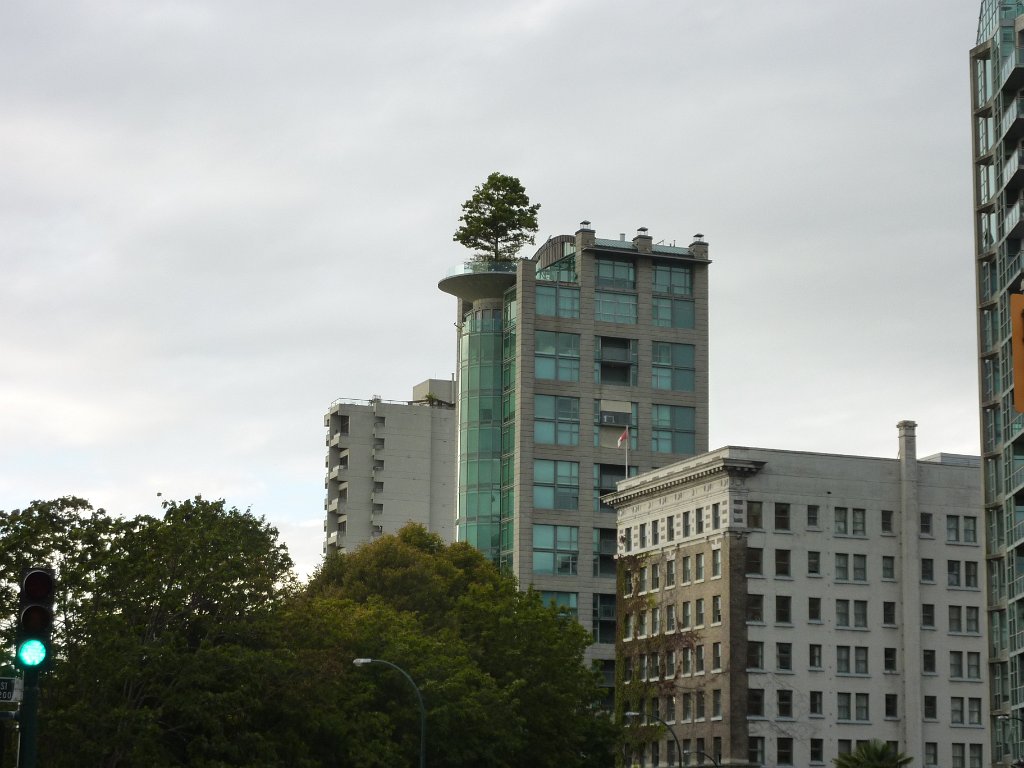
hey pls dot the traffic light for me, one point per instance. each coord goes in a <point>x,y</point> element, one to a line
<point>35,618</point>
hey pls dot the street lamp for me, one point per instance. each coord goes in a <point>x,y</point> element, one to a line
<point>419,699</point>
<point>1004,718</point>
<point>679,750</point>
<point>701,752</point>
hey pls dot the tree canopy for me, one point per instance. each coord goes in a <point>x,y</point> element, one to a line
<point>498,220</point>
<point>872,754</point>
<point>184,640</point>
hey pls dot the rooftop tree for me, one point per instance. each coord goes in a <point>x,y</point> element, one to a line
<point>498,220</point>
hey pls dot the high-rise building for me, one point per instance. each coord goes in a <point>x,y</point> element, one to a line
<point>997,103</point>
<point>388,464</point>
<point>589,357</point>
<point>781,607</point>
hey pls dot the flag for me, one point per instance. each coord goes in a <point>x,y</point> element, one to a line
<point>623,438</point>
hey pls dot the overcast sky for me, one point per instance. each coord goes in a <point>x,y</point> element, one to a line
<point>217,217</point>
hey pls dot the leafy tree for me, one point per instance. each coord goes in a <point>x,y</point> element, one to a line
<point>498,220</point>
<point>873,754</point>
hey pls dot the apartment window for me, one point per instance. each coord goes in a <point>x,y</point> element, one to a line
<point>698,666</point>
<point>670,618</point>
<point>971,575</point>
<point>655,568</point>
<point>673,429</point>
<point>699,612</point>
<point>556,485</point>
<point>685,575</point>
<point>716,656</point>
<point>843,659</point>
<point>716,516</point>
<point>567,601</point>
<point>817,706</point>
<point>670,567</point>
<point>814,609</point>
<point>698,567</point>
<point>755,702</point>
<point>755,608</point>
<point>975,756</point>
<point>555,549</point>
<point>842,567</point>
<point>926,524</point>
<point>814,656</point>
<point>672,313</point>
<point>931,753</point>
<point>615,361</point>
<point>889,614</point>
<point>698,520</point>
<point>716,702</point>
<point>860,567</point>
<point>891,705</point>
<point>860,660</point>
<point>687,705</point>
<point>927,569</point>
<point>844,746</point>
<point>928,661</point>
<point>974,711</point>
<point>812,515</point>
<point>784,656</point>
<point>755,561</point>
<point>716,562</point>
<point>672,366</point>
<point>670,278</point>
<point>656,621</point>
<point>952,528</point>
<point>556,420</point>
<point>842,525</point>
<point>858,520</point>
<point>687,661</point>
<point>781,516</point>
<point>557,356</point>
<point>817,750</point>
<point>716,609</point>
<point>956,664</point>
<point>603,623</point>
<point>755,655</point>
<point>970,530</point>
<point>670,528</point>
<point>685,619</point>
<point>928,615</point>
<point>814,563</point>
<point>889,660</point>
<point>931,708</point>
<point>754,518</point>
<point>783,609</point>
<point>972,620</point>
<point>604,552</point>
<point>887,524</point>
<point>784,751</point>
<point>782,562</point>
<point>952,573</point>
<point>615,273</point>
<point>957,756</point>
<point>888,567</point>
<point>755,750</point>
<point>956,710</point>
<point>973,665</point>
<point>615,307</point>
<point>558,301</point>
<point>860,613</point>
<point>842,613</point>
<point>641,581</point>
<point>844,706</point>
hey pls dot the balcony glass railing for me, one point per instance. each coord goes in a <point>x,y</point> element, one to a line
<point>473,267</point>
<point>1011,219</point>
<point>1011,62</point>
<point>1010,167</point>
<point>1011,114</point>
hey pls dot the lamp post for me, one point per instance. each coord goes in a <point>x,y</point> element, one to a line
<point>1004,718</point>
<point>419,700</point>
<point>701,752</point>
<point>679,749</point>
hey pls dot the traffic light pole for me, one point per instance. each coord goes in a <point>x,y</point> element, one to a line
<point>28,720</point>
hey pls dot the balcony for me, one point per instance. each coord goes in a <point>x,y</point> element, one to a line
<point>474,280</point>
<point>1013,170</point>
<point>1012,124</point>
<point>1013,226</point>
<point>1011,72</point>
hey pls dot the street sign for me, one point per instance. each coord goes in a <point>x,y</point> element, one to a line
<point>11,688</point>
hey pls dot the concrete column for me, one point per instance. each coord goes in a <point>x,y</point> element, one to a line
<point>912,738</point>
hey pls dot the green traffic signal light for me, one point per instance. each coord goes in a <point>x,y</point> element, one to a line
<point>32,653</point>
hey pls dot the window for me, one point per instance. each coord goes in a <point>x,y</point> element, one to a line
<point>887,525</point>
<point>716,609</point>
<point>859,527</point>
<point>755,702</point>
<point>889,660</point>
<point>670,528</point>
<point>698,666</point>
<point>860,613</point>
<point>556,420</point>
<point>927,569</point>
<point>782,562</point>
<point>754,559</point>
<point>973,665</point>
<point>972,620</point>
<point>755,750</point>
<point>784,753</point>
<point>957,756</point>
<point>754,514</point>
<point>656,621</point>
<point>974,711</point>
<point>956,664</point>
<point>698,567</point>
<point>783,609</point>
<point>931,708</point>
<point>926,524</point>
<point>975,756</point>
<point>952,528</point>
<point>698,617</point>
<point>655,567</point>
<point>952,573</point>
<point>558,301</point>
<point>817,750</point>
<point>685,575</point>
<point>605,478</point>
<point>812,515</point>
<point>781,516</point>
<point>970,530</point>
<point>956,710</point>
<point>843,706</point>
<point>844,746</point>
<point>698,520</point>
<point>842,521</point>
<point>716,702</point>
<point>971,575</point>
<point>814,609</point>
<point>817,703</point>
<point>603,622</point>
<point>716,656</point>
<point>557,356</point>
<point>955,616</point>
<point>670,618</point>
<point>814,656</point>
<point>860,567</point>
<point>755,608</point>
<point>670,568</point>
<point>556,485</point>
<point>755,655</point>
<point>891,708</point>
<point>863,710</point>
<point>614,273</point>
<point>673,429</point>
<point>555,549</point>
<point>928,661</point>
<point>566,601</point>
<point>928,615</point>
<point>685,619</point>
<point>814,563</point>
<point>672,313</point>
<point>842,567</point>
<point>860,660</point>
<point>716,562</point>
<point>716,517</point>
<point>889,614</point>
<point>888,567</point>
<point>931,753</point>
<point>674,279</point>
<point>843,659</point>
<point>615,361</point>
<point>842,613</point>
<point>784,656</point>
<point>604,552</point>
<point>672,366</point>
<point>614,307</point>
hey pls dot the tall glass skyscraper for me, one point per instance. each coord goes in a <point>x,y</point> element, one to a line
<point>997,103</point>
